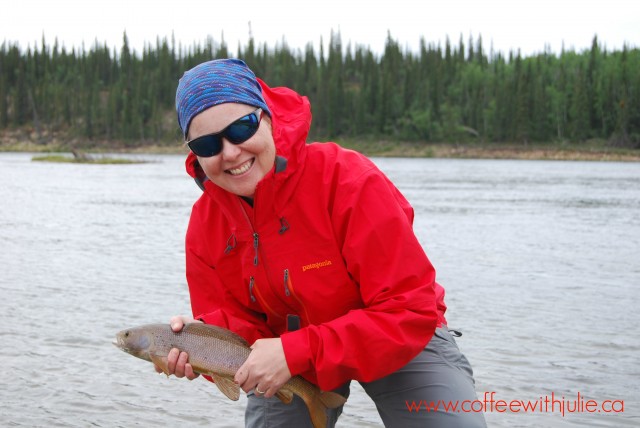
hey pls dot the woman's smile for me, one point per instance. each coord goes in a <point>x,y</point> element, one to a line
<point>241,169</point>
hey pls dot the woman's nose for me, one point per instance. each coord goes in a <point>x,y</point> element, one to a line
<point>230,150</point>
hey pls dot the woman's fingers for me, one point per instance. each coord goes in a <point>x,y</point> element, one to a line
<point>265,370</point>
<point>189,373</point>
<point>177,322</point>
<point>172,361</point>
<point>177,361</point>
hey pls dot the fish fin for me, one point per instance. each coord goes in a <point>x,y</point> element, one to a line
<point>317,405</point>
<point>317,411</point>
<point>285,396</point>
<point>227,386</point>
<point>160,362</point>
<point>332,399</point>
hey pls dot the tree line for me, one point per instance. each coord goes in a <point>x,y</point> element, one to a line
<point>458,92</point>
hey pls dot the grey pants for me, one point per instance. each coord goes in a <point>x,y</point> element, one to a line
<point>439,374</point>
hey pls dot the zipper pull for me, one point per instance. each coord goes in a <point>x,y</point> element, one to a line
<point>251,296</point>
<point>286,283</point>
<point>231,244</point>
<point>284,225</point>
<point>255,247</point>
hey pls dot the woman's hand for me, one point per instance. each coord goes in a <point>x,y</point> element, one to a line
<point>266,370</point>
<point>177,362</point>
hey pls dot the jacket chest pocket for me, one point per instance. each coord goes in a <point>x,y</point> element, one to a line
<point>232,270</point>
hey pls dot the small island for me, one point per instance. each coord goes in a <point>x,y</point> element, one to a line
<point>80,157</point>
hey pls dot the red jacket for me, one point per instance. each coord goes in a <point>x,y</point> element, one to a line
<point>328,246</point>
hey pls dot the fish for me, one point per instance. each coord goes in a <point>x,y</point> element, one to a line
<point>218,353</point>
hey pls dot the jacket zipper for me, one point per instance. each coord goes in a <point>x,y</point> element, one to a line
<point>286,283</point>
<point>255,235</point>
<point>254,291</point>
<point>251,284</point>
<point>289,291</point>
<point>255,248</point>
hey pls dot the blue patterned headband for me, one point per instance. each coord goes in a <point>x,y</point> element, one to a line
<point>216,82</point>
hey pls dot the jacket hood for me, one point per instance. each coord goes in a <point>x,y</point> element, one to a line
<point>290,121</point>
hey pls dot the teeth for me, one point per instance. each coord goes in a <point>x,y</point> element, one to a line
<point>242,169</point>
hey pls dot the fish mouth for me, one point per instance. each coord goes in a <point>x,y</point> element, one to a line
<point>121,344</point>
<point>124,348</point>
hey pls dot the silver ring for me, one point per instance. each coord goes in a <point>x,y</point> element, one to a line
<point>258,391</point>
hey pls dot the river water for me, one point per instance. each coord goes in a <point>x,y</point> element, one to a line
<point>540,261</point>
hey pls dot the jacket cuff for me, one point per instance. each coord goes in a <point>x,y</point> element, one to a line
<point>296,346</point>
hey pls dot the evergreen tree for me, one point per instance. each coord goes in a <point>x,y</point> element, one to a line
<point>450,93</point>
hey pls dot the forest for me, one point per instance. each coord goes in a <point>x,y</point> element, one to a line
<point>459,92</point>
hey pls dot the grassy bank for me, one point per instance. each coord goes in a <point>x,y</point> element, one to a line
<point>590,151</point>
<point>102,160</point>
<point>586,152</point>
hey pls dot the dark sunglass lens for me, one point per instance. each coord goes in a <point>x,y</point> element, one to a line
<point>206,146</point>
<point>238,132</point>
<point>242,129</point>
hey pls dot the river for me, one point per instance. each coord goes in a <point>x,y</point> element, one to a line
<point>540,260</point>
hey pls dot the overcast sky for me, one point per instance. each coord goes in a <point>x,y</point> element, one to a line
<point>528,25</point>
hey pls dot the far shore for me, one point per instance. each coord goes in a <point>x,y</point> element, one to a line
<point>596,151</point>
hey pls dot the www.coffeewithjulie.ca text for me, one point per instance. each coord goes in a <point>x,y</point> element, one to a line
<point>544,404</point>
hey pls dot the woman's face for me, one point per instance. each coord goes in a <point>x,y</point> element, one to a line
<point>238,168</point>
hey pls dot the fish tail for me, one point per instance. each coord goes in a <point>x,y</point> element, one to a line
<point>319,403</point>
<point>332,400</point>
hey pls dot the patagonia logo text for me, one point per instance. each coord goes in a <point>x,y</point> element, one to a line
<point>317,265</point>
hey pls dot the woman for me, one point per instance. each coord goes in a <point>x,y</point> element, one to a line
<point>308,252</point>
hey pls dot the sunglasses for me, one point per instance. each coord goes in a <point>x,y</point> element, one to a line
<point>237,132</point>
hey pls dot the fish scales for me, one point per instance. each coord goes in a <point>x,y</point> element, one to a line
<point>208,351</point>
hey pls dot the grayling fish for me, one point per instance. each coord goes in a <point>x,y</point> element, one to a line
<point>219,353</point>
